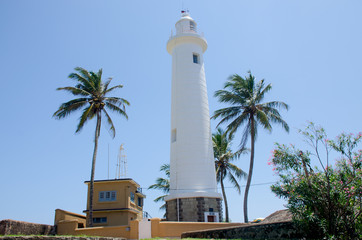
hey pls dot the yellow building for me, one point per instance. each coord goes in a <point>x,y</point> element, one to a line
<point>117,212</point>
<point>115,202</point>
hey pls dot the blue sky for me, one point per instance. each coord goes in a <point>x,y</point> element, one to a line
<point>309,50</point>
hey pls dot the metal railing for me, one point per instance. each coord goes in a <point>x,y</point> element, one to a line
<point>146,215</point>
<point>187,30</point>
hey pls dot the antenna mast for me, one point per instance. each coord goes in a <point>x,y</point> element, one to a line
<point>121,171</point>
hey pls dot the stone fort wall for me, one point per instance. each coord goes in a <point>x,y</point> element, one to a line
<point>192,209</point>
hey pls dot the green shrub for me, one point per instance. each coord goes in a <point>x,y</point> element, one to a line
<point>325,201</point>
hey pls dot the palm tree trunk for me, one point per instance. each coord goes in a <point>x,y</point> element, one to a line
<point>225,201</point>
<point>252,132</point>
<point>91,188</point>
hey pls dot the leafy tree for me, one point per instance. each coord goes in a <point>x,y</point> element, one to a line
<point>162,184</point>
<point>224,168</point>
<point>326,201</point>
<point>94,102</point>
<point>247,109</point>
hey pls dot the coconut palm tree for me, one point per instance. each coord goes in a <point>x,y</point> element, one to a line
<point>94,102</point>
<point>224,168</point>
<point>247,109</point>
<point>162,184</point>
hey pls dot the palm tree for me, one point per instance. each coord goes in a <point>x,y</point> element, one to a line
<point>223,157</point>
<point>94,102</point>
<point>245,97</point>
<point>162,184</point>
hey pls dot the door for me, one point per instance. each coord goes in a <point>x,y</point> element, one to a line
<point>144,228</point>
<point>210,218</point>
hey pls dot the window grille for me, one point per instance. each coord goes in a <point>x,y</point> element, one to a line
<point>107,196</point>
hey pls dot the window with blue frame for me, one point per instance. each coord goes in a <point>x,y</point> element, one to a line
<point>196,58</point>
<point>132,196</point>
<point>140,202</point>
<point>107,196</point>
<point>100,220</point>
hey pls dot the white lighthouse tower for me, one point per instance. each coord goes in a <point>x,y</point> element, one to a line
<point>193,188</point>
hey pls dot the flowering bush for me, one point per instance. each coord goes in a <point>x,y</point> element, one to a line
<point>326,201</point>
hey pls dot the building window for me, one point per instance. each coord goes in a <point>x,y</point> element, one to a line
<point>173,135</point>
<point>192,26</point>
<point>100,220</point>
<point>107,196</point>
<point>196,58</point>
<point>132,196</point>
<point>140,202</point>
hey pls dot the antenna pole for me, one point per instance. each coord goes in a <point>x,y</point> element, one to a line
<point>122,163</point>
<point>108,160</point>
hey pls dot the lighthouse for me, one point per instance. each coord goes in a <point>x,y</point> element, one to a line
<point>193,192</point>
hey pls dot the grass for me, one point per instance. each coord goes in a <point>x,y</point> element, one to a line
<point>35,235</point>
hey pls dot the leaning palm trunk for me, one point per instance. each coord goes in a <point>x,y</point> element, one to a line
<point>252,132</point>
<point>91,188</point>
<point>225,201</point>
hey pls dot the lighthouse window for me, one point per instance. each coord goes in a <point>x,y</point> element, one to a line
<point>196,58</point>
<point>192,26</point>
<point>173,135</point>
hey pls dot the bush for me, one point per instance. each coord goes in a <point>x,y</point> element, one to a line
<point>325,201</point>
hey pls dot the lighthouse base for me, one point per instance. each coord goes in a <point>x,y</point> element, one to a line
<point>195,209</point>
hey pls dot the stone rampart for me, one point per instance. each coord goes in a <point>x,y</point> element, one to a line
<point>278,230</point>
<point>13,227</point>
<point>56,238</point>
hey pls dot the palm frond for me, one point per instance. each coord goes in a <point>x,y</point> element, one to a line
<point>161,184</point>
<point>166,169</point>
<point>112,88</point>
<point>75,91</point>
<point>276,104</point>
<point>111,129</point>
<point>84,78</point>
<point>117,101</point>
<point>67,108</point>
<point>226,114</point>
<point>277,119</point>
<point>114,108</point>
<point>87,114</point>
<point>160,199</point>
<point>238,172</point>
<point>236,123</point>
<point>105,85</point>
<point>262,91</point>
<point>263,119</point>
<point>234,182</point>
<point>97,80</point>
<point>229,97</point>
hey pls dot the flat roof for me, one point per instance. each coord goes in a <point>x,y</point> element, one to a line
<point>114,180</point>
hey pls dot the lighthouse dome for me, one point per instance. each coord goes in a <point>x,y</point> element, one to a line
<point>186,24</point>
